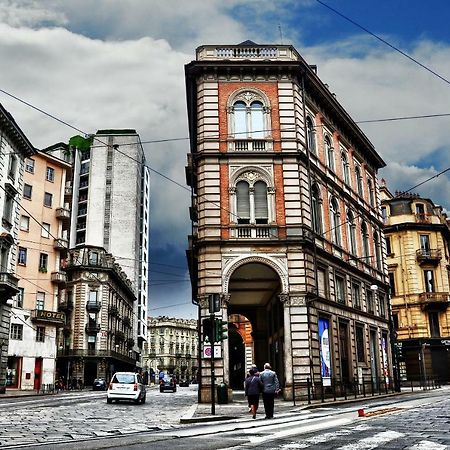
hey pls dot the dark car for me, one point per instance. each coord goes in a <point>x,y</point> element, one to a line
<point>184,383</point>
<point>99,385</point>
<point>168,384</point>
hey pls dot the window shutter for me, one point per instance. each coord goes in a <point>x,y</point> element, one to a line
<point>261,210</point>
<point>243,200</point>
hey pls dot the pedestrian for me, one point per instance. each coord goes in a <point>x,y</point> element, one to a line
<point>270,388</point>
<point>253,387</point>
<point>248,374</point>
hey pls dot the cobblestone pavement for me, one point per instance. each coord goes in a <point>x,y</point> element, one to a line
<point>86,415</point>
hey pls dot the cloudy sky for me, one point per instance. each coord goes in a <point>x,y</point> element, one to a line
<point>120,64</point>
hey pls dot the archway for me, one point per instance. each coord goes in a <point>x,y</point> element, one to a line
<point>258,316</point>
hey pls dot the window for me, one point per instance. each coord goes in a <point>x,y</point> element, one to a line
<point>382,303</point>
<point>322,284</point>
<point>371,192</point>
<point>16,331</point>
<point>351,231</point>
<point>365,242</point>
<point>22,256</point>
<point>50,174</point>
<point>388,245</point>
<point>340,289</point>
<point>12,167</point>
<point>40,300</point>
<point>384,214</point>
<point>425,243</point>
<point>48,199</point>
<point>43,262</point>
<point>429,280</point>
<point>249,117</point>
<point>310,135</point>
<point>84,169</point>
<point>316,209</point>
<point>93,297</point>
<point>433,319</point>
<point>359,335</point>
<point>19,298</point>
<point>392,283</point>
<point>27,191</point>
<point>45,230</point>
<point>8,208</point>
<point>251,204</point>
<point>330,153</point>
<point>369,301</point>
<point>345,168</point>
<point>24,223</point>
<point>359,181</point>
<point>93,258</point>
<point>29,165</point>
<point>335,222</point>
<point>377,245</point>
<point>40,334</point>
<point>356,295</point>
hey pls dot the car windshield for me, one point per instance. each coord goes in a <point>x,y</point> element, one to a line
<point>123,378</point>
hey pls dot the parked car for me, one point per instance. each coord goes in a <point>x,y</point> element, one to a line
<point>126,386</point>
<point>168,384</point>
<point>184,383</point>
<point>99,384</point>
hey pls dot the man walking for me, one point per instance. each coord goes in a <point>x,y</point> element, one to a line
<point>271,387</point>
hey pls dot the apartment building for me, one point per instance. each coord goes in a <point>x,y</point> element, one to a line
<point>42,250</point>
<point>286,222</point>
<point>418,247</point>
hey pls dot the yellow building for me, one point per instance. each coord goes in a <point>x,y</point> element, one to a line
<point>417,243</point>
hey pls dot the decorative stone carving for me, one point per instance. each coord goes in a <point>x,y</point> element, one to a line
<point>297,300</point>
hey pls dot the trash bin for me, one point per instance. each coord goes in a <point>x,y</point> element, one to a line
<point>222,394</point>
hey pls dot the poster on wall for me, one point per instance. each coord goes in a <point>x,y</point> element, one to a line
<point>385,357</point>
<point>325,357</point>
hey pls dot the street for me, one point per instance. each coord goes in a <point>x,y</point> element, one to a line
<point>413,421</point>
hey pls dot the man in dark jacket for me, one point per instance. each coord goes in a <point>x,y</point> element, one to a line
<point>271,387</point>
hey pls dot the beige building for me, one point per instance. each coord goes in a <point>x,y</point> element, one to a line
<point>172,347</point>
<point>417,241</point>
<point>42,246</point>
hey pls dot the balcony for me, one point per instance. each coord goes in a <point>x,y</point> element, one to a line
<point>126,321</point>
<point>53,317</point>
<point>59,277</point>
<point>63,214</point>
<point>66,305</point>
<point>61,244</point>
<point>434,300</point>
<point>428,256</point>
<point>253,232</point>
<point>130,342</point>
<point>8,285</point>
<point>93,306</point>
<point>423,217</point>
<point>113,310</point>
<point>249,145</point>
<point>92,328</point>
<point>120,336</point>
<point>68,189</point>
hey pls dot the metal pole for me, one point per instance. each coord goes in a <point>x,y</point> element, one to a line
<point>213,376</point>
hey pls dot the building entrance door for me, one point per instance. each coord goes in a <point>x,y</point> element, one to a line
<point>37,374</point>
<point>343,352</point>
<point>374,358</point>
<point>237,359</point>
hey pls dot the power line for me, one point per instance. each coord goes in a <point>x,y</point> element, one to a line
<point>393,47</point>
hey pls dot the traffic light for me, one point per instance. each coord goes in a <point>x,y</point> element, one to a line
<point>220,330</point>
<point>208,330</point>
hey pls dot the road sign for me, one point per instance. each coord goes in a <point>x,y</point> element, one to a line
<point>207,351</point>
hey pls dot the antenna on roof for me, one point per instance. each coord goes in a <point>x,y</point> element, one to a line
<point>281,33</point>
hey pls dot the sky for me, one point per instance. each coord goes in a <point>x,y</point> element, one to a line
<point>98,64</point>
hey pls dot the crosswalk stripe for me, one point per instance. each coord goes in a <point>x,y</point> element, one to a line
<point>373,441</point>
<point>427,445</point>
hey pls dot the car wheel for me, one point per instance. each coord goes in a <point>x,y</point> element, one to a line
<point>109,400</point>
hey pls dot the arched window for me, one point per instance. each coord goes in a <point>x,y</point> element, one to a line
<point>359,181</point>
<point>310,135</point>
<point>335,222</point>
<point>316,209</point>
<point>251,203</point>
<point>371,192</point>
<point>240,120</point>
<point>330,152</point>
<point>243,202</point>
<point>345,168</point>
<point>257,126</point>
<point>377,244</point>
<point>365,241</point>
<point>351,231</point>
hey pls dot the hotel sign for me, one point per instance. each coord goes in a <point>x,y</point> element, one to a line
<point>49,316</point>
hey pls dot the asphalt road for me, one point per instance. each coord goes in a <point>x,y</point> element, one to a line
<point>420,421</point>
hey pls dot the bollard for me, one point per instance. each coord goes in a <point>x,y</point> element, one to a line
<point>361,413</point>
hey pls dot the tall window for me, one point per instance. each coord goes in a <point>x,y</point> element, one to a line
<point>316,209</point>
<point>45,230</point>
<point>392,283</point>
<point>345,168</point>
<point>335,222</point>
<point>388,245</point>
<point>359,181</point>
<point>371,192</point>
<point>425,243</point>
<point>330,152</point>
<point>25,223</point>
<point>382,303</point>
<point>322,284</point>
<point>377,245</point>
<point>310,135</point>
<point>369,301</point>
<point>251,203</point>
<point>43,262</point>
<point>16,331</point>
<point>359,336</point>
<point>356,295</point>
<point>429,280</point>
<point>40,300</point>
<point>340,289</point>
<point>12,167</point>
<point>249,120</point>
<point>48,199</point>
<point>365,242</point>
<point>27,191</point>
<point>22,256</point>
<point>40,334</point>
<point>29,165</point>
<point>433,319</point>
<point>19,298</point>
<point>351,231</point>
<point>50,174</point>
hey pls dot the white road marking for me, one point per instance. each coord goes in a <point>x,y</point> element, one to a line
<point>373,441</point>
<point>428,445</point>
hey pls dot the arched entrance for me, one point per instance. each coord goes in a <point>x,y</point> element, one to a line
<point>257,315</point>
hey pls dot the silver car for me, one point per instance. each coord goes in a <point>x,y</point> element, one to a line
<point>126,386</point>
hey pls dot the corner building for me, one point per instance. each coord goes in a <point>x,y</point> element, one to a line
<point>286,224</point>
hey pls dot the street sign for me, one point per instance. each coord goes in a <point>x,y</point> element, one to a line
<point>207,351</point>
